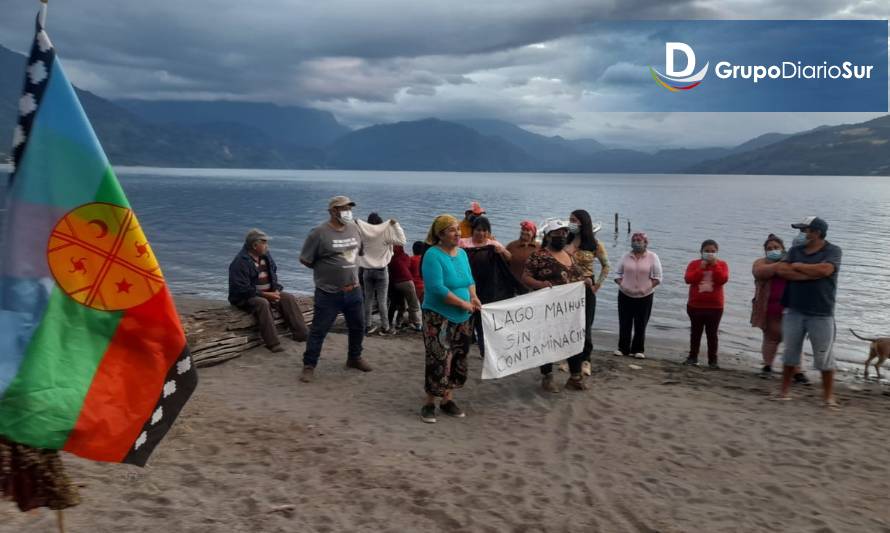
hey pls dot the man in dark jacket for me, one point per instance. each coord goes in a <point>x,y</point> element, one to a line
<point>254,288</point>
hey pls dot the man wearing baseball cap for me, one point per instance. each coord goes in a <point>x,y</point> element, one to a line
<point>330,251</point>
<point>811,270</point>
<point>254,288</point>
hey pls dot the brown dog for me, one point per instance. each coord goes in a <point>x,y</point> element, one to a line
<point>880,349</point>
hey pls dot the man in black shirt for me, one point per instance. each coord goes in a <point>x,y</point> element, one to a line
<point>811,270</point>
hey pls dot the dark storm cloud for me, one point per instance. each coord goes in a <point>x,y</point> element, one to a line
<point>533,62</point>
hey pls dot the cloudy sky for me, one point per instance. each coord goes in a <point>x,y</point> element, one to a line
<point>535,63</point>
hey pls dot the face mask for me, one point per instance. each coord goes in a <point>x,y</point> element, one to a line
<point>800,239</point>
<point>558,242</point>
<point>774,255</point>
<point>709,256</point>
<point>346,216</point>
<point>574,228</point>
<point>637,246</point>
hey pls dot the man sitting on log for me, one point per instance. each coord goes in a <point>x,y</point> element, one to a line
<point>254,288</point>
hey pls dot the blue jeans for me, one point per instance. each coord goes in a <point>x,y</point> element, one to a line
<point>327,306</point>
<point>376,288</point>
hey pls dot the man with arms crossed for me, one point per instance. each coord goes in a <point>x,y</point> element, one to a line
<point>811,270</point>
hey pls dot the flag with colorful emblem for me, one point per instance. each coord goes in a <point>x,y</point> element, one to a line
<point>93,358</point>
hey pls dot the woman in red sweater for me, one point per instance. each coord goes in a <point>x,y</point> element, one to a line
<point>706,278</point>
<point>418,249</point>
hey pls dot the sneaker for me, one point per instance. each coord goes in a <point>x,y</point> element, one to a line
<point>548,383</point>
<point>372,330</point>
<point>275,348</point>
<point>801,379</point>
<point>358,364</point>
<point>417,327</point>
<point>563,366</point>
<point>428,413</point>
<point>451,409</point>
<point>308,374</point>
<point>577,383</point>
<point>640,355</point>
<point>766,372</point>
<point>586,369</point>
<point>691,361</point>
<point>385,332</point>
<point>713,366</point>
<point>618,353</point>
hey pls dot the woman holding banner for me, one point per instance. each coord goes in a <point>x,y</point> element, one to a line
<point>491,271</point>
<point>448,303</point>
<point>549,266</point>
<point>586,250</point>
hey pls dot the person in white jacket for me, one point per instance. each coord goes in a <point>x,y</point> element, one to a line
<point>378,238</point>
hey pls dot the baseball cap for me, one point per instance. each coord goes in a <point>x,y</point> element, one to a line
<point>553,224</point>
<point>812,222</point>
<point>255,235</point>
<point>340,201</point>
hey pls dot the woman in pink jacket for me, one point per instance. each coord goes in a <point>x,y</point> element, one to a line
<point>638,273</point>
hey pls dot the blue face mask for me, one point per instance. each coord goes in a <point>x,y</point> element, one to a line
<point>775,255</point>
<point>800,239</point>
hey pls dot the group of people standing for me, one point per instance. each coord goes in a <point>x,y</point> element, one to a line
<point>460,266</point>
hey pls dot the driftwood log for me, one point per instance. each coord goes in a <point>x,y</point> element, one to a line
<point>222,332</point>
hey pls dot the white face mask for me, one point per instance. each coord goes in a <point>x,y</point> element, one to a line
<point>346,216</point>
<point>709,256</point>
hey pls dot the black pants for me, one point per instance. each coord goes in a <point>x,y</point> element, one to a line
<point>574,365</point>
<point>709,321</point>
<point>477,327</point>
<point>633,315</point>
<point>589,312</point>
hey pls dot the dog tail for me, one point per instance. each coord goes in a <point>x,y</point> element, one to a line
<point>860,337</point>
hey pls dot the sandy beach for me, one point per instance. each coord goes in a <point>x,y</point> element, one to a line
<point>660,447</point>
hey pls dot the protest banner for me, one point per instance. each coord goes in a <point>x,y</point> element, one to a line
<point>532,329</point>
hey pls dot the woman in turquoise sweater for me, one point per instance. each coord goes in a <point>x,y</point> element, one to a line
<point>449,301</point>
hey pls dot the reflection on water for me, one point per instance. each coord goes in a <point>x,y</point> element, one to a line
<point>196,220</point>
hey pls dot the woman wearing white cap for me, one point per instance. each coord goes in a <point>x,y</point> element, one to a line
<point>549,266</point>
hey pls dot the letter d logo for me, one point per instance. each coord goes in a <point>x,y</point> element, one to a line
<point>675,77</point>
<point>670,50</point>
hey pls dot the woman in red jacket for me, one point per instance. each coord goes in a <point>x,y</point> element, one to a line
<point>706,277</point>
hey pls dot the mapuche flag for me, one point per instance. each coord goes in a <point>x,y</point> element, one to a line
<point>93,358</point>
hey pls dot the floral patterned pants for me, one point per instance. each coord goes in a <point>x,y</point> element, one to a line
<point>446,346</point>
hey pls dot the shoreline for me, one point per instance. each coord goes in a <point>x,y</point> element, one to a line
<point>651,447</point>
<point>669,349</point>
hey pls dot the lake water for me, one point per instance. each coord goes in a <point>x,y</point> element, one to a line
<point>196,221</point>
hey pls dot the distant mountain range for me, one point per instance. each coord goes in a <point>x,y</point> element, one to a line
<point>230,134</point>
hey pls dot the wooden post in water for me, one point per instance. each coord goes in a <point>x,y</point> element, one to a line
<point>616,222</point>
<point>628,226</point>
